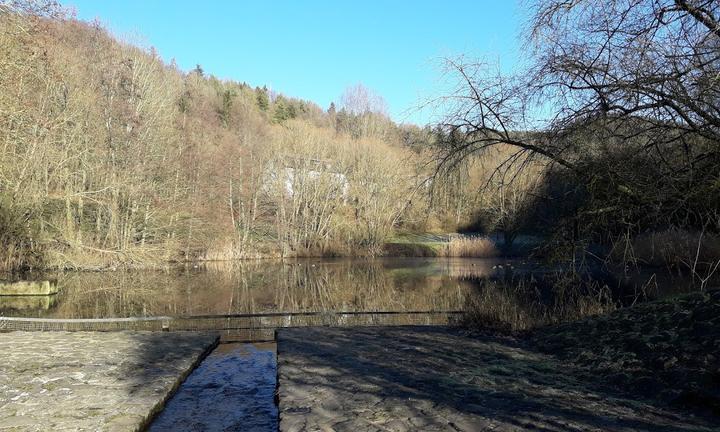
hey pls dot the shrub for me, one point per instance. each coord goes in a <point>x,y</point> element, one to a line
<point>19,249</point>
<point>525,303</point>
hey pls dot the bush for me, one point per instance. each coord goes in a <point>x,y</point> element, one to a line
<point>19,249</point>
<point>529,302</point>
<point>677,248</point>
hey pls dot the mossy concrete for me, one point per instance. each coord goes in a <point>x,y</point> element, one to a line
<point>28,288</point>
<point>25,303</point>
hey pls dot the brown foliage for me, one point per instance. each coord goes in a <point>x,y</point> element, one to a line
<point>120,158</point>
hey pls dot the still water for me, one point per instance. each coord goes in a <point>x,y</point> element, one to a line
<point>391,284</point>
<point>307,285</point>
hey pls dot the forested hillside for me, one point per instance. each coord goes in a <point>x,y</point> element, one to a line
<point>110,156</point>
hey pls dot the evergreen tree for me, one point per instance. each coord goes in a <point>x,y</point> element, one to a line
<point>291,111</point>
<point>226,107</point>
<point>261,96</point>
<point>280,111</point>
<point>184,102</point>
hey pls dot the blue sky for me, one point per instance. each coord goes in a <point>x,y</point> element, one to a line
<point>315,49</point>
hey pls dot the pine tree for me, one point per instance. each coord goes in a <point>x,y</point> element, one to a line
<point>280,110</point>
<point>291,111</point>
<point>226,107</point>
<point>263,101</point>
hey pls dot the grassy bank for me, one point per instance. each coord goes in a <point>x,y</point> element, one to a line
<point>668,349</point>
<point>54,255</point>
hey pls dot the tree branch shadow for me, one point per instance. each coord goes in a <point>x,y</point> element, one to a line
<point>449,379</point>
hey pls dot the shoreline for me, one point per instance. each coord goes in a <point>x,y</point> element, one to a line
<point>200,263</point>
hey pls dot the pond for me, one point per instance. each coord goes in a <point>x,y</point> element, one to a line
<point>219,288</point>
<point>306,285</point>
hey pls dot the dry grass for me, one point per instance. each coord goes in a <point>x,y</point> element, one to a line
<point>229,250</point>
<point>524,304</point>
<point>428,246</point>
<point>494,308</point>
<point>472,247</point>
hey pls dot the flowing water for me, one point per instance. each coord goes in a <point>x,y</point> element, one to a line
<point>232,390</point>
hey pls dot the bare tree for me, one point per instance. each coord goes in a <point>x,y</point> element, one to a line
<point>622,95</point>
<point>358,100</point>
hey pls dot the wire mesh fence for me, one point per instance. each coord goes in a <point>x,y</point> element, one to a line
<point>239,327</point>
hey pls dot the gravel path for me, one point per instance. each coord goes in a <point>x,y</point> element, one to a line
<point>63,381</point>
<point>437,379</point>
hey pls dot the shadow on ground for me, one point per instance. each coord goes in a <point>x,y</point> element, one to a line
<point>429,378</point>
<point>667,349</point>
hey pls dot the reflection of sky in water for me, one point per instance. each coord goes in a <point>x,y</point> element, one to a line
<point>232,389</point>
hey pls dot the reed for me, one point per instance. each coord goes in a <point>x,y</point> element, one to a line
<point>472,247</point>
<point>527,303</point>
<point>677,248</point>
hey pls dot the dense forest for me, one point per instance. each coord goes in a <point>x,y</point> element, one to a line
<point>112,157</point>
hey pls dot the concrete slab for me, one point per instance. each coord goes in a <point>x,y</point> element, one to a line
<point>83,381</point>
<point>438,379</point>
<point>28,288</point>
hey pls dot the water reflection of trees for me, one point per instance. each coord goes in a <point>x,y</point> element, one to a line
<point>265,286</point>
<point>509,294</point>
